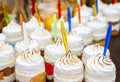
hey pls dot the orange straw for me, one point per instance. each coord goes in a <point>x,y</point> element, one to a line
<point>21,23</point>
<point>83,2</point>
<point>37,13</point>
<point>79,15</point>
<point>5,12</point>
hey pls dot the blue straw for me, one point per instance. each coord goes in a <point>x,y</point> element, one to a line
<point>69,18</point>
<point>107,40</point>
<point>97,5</point>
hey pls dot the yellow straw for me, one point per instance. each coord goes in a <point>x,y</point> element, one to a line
<point>95,12</point>
<point>64,36</point>
<point>94,7</point>
<point>37,14</point>
<point>5,12</point>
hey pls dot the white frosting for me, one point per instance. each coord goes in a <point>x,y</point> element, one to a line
<point>20,46</point>
<point>33,24</point>
<point>68,68</point>
<point>54,51</point>
<point>111,13</point>
<point>99,17</point>
<point>75,39</point>
<point>117,6</point>
<point>75,20</point>
<point>100,69</point>
<point>101,6</point>
<point>6,55</point>
<point>93,50</point>
<point>85,33</point>
<point>42,36</point>
<point>99,29</point>
<point>13,32</point>
<point>2,37</point>
<point>29,63</point>
<point>86,11</point>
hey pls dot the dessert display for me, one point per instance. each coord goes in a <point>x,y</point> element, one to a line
<point>66,41</point>
<point>7,63</point>
<point>51,53</point>
<point>30,67</point>
<point>43,37</point>
<point>100,69</point>
<point>20,46</point>
<point>92,50</point>
<point>13,32</point>
<point>68,68</point>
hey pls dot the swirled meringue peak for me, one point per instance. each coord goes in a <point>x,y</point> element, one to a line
<point>68,68</point>
<point>30,61</point>
<point>54,51</point>
<point>100,69</point>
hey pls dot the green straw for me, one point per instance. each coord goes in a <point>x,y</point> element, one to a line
<point>55,27</point>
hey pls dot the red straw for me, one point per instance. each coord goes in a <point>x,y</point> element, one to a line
<point>79,15</point>
<point>33,7</point>
<point>59,9</point>
<point>21,23</point>
<point>114,1</point>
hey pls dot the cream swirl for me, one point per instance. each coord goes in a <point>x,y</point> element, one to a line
<point>54,51</point>
<point>20,46</point>
<point>86,11</point>
<point>29,54</point>
<point>69,59</point>
<point>42,36</point>
<point>74,38</point>
<point>12,27</point>
<point>33,23</point>
<point>69,63</point>
<point>100,66</point>
<point>6,52</point>
<point>30,61</point>
<point>93,50</point>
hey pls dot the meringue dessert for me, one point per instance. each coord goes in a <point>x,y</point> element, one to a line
<point>100,69</point>
<point>32,25</point>
<point>7,63</point>
<point>99,30</point>
<point>113,16</point>
<point>86,33</point>
<point>13,32</point>
<point>68,68</point>
<point>51,54</point>
<point>75,43</point>
<point>30,67</point>
<point>43,37</point>
<point>92,50</point>
<point>20,46</point>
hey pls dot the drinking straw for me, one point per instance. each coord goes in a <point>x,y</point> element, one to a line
<point>107,40</point>
<point>64,36</point>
